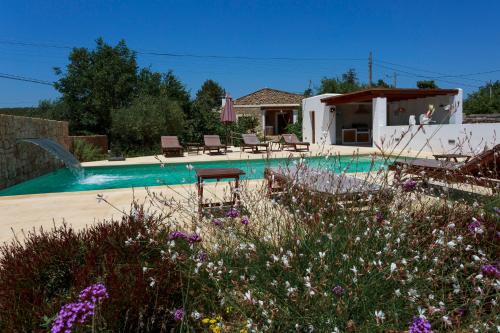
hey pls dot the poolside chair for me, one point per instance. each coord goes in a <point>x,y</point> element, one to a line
<point>323,184</point>
<point>482,169</point>
<point>252,141</point>
<point>291,140</point>
<point>170,145</point>
<point>212,143</point>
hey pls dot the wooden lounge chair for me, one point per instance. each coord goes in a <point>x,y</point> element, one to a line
<point>252,141</point>
<point>291,140</point>
<point>482,169</point>
<point>212,143</point>
<point>322,183</point>
<point>170,145</point>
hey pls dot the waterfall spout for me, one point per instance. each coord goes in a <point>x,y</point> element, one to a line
<point>59,152</point>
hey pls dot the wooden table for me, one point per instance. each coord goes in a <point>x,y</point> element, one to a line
<point>218,174</point>
<point>193,147</point>
<point>449,157</point>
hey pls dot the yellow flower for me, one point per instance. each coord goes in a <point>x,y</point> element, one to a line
<point>205,320</point>
<point>243,330</point>
<point>213,321</point>
<point>215,329</point>
<point>219,318</point>
<point>229,309</point>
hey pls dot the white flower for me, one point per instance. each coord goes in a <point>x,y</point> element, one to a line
<point>354,270</point>
<point>393,267</point>
<point>451,244</point>
<point>397,292</point>
<point>248,297</point>
<point>322,254</point>
<point>379,316</point>
<point>421,312</point>
<point>195,315</point>
<point>446,320</point>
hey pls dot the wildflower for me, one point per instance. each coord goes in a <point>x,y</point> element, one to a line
<point>178,314</point>
<point>379,217</point>
<point>409,185</point>
<point>338,290</point>
<point>379,316</point>
<point>217,222</point>
<point>475,227</point>
<point>194,238</point>
<point>420,325</point>
<point>94,293</point>
<point>178,234</point>
<point>195,315</point>
<point>233,213</point>
<point>490,270</point>
<point>393,268</point>
<point>245,220</point>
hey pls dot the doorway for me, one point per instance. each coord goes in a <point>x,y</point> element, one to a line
<point>313,126</point>
<point>283,119</point>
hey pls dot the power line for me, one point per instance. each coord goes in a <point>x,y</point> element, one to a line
<point>428,71</point>
<point>425,76</point>
<point>25,79</point>
<point>188,55</point>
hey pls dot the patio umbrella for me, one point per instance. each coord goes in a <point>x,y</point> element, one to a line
<point>228,116</point>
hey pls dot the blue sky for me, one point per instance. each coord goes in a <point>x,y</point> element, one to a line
<point>447,37</point>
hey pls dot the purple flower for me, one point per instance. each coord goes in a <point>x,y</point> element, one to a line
<point>420,325</point>
<point>217,222</point>
<point>178,314</point>
<point>338,291</point>
<point>202,256</point>
<point>379,217</point>
<point>233,213</point>
<point>245,220</point>
<point>194,238</point>
<point>475,226</point>
<point>77,313</point>
<point>490,270</point>
<point>93,293</point>
<point>409,185</point>
<point>178,234</point>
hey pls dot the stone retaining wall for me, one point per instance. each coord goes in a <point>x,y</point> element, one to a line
<point>20,161</point>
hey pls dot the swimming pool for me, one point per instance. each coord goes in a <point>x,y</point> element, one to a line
<point>110,177</point>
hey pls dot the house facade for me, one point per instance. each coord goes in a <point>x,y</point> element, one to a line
<point>274,109</point>
<point>414,119</point>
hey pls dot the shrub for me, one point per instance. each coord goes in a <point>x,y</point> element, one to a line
<point>85,151</point>
<point>140,126</point>
<point>52,267</point>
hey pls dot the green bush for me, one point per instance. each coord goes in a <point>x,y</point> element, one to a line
<point>139,127</point>
<point>86,152</point>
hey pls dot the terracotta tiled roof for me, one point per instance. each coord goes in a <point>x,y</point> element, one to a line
<point>268,96</point>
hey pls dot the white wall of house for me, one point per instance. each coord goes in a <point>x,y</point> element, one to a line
<point>324,120</point>
<point>420,106</point>
<point>465,138</point>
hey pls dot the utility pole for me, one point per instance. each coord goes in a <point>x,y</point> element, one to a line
<point>370,63</point>
<point>491,90</point>
<point>394,79</point>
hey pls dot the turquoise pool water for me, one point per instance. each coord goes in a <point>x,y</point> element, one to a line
<point>109,177</point>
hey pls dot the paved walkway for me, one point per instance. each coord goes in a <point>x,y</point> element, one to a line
<point>25,212</point>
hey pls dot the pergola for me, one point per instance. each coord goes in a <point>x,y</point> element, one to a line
<point>391,95</point>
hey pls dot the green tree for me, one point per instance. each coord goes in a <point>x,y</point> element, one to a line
<point>347,82</point>
<point>485,100</point>
<point>427,84</point>
<point>174,89</point>
<point>138,127</point>
<point>205,115</point>
<point>95,82</point>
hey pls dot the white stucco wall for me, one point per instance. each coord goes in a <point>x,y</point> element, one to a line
<point>466,138</point>
<point>324,125</point>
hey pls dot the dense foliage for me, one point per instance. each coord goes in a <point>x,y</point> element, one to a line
<point>426,84</point>
<point>85,151</point>
<point>143,123</point>
<point>50,269</point>
<point>346,83</point>
<point>485,100</point>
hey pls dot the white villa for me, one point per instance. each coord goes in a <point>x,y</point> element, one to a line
<point>390,116</point>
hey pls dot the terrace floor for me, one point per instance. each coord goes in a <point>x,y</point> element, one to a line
<point>79,209</point>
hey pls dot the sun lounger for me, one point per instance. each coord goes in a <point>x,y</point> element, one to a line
<point>322,183</point>
<point>212,143</point>
<point>482,169</point>
<point>291,140</point>
<point>170,144</point>
<point>252,141</point>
